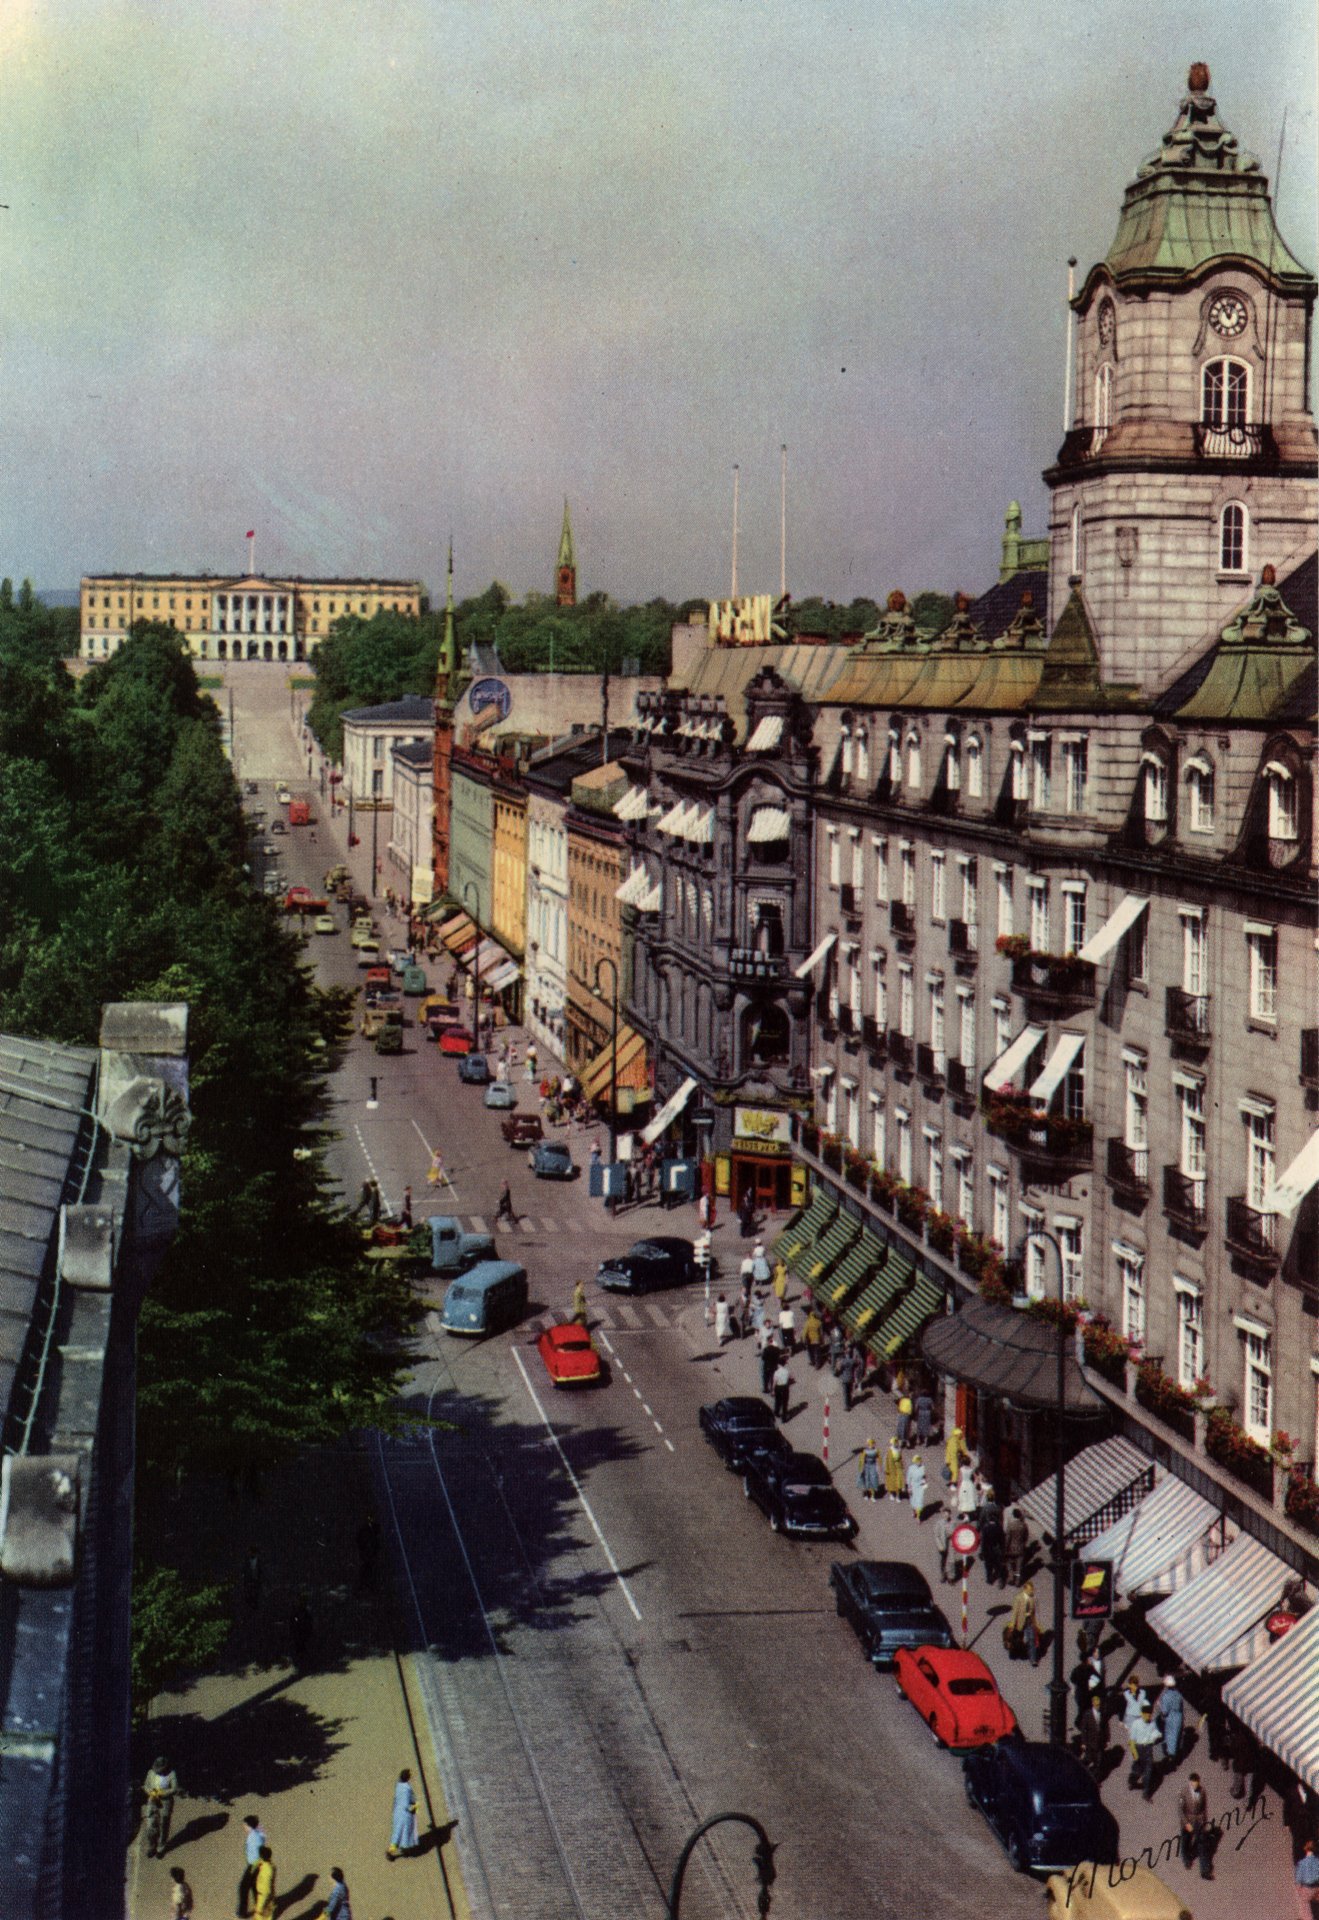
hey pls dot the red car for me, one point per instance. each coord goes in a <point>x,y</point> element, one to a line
<point>954,1693</point>
<point>569,1355</point>
<point>456,1040</point>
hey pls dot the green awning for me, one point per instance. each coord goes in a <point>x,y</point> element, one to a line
<point>908,1317</point>
<point>883,1290</point>
<point>801,1236</point>
<point>828,1248</point>
<point>857,1265</point>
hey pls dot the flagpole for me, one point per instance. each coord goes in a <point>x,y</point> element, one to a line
<point>251,552</point>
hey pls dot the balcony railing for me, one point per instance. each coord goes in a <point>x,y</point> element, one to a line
<point>1252,1234</point>
<point>748,963</point>
<point>1057,980</point>
<point>1186,1017</point>
<point>963,939</point>
<point>1310,1056</point>
<point>1235,443</point>
<point>1056,1138</point>
<point>959,1077</point>
<point>1184,1199</point>
<point>1129,1168</point>
<point>899,1047</point>
<point>901,919</point>
<point>930,1064</point>
<point>874,1036</point>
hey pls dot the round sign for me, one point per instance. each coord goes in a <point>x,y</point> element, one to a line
<point>1280,1622</point>
<point>965,1539</point>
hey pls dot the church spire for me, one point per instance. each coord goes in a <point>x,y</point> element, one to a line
<point>565,571</point>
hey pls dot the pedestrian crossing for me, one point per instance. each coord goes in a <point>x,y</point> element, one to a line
<point>616,1315</point>
<point>527,1224</point>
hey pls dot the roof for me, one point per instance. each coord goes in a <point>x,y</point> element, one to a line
<point>414,709</point>
<point>725,672</point>
<point>416,753</point>
<point>209,579</point>
<point>1008,1353</point>
<point>1261,668</point>
<point>557,768</point>
<point>996,609</point>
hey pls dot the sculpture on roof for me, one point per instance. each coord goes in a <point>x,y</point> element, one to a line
<point>1267,619</point>
<point>1198,137</point>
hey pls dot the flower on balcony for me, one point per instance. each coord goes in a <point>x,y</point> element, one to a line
<point>883,1185</point>
<point>1228,1442</point>
<point>941,1228</point>
<point>857,1168</point>
<point>831,1150</point>
<point>1302,1500</point>
<point>1159,1391</point>
<point>1283,1445</point>
<point>913,1205</point>
<point>1015,945</point>
<point>1105,1343</point>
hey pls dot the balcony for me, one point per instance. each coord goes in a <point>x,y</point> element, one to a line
<point>1057,1141</point>
<point>1184,1200</point>
<point>1310,1056</point>
<point>901,919</point>
<point>963,943</point>
<point>1129,1169</point>
<point>1186,1018</point>
<point>899,1048</point>
<point>1235,443</point>
<point>847,1020</point>
<point>1054,982</point>
<point>874,1035</point>
<point>958,1078</point>
<point>1252,1235</point>
<point>748,963</point>
<point>930,1064</point>
<point>849,900</point>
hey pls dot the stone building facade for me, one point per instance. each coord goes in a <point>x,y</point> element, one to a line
<point>250,617</point>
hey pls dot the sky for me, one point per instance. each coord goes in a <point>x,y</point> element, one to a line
<point>362,273</point>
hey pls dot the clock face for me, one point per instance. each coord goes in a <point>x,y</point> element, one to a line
<point>1227,315</point>
<point>1106,322</point>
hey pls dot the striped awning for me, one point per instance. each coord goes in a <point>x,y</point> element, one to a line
<point>1291,1187</point>
<point>1217,1620</point>
<point>1123,917</point>
<point>598,1077</point>
<point>1056,1068</point>
<point>767,825</point>
<point>1098,1485</point>
<point>1162,1543</point>
<point>813,959</point>
<point>767,734</point>
<point>503,976</point>
<point>633,888</point>
<point>486,957</point>
<point>634,804</point>
<point>1277,1697</point>
<point>1013,1058</point>
<point>653,901</point>
<point>458,933</point>
<point>669,1112</point>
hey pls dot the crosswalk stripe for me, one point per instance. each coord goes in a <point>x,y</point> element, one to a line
<point>626,1316</point>
<point>550,1226</point>
<point>476,1224</point>
<point>657,1315</point>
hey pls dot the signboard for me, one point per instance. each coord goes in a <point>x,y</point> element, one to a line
<point>1279,1623</point>
<point>964,1540</point>
<point>761,1127</point>
<point>490,693</point>
<point>1092,1589</point>
<point>745,622</point>
<point>723,1174</point>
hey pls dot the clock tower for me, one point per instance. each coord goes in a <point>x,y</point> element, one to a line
<point>565,572</point>
<point>1190,461</point>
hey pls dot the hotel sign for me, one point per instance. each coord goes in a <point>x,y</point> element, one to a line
<point>761,1129</point>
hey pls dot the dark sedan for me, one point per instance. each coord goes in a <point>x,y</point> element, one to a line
<point>738,1427</point>
<point>888,1604</point>
<point>473,1068</point>
<point>797,1492</point>
<point>649,1265</point>
<point>1042,1803</point>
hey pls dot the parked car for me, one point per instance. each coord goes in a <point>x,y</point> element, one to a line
<point>283,795</point>
<point>500,1094</point>
<point>380,1011</point>
<point>1041,1802</point>
<point>452,1249</point>
<point>278,826</point>
<point>368,953</point>
<point>250,786</point>
<point>888,1604</point>
<point>457,1040</point>
<point>648,1265</point>
<point>362,936</point>
<point>399,960</point>
<point>955,1694</point>
<point>570,1356</point>
<point>522,1129</point>
<point>739,1426</point>
<point>797,1492</point>
<point>414,981</point>
<point>551,1160</point>
<point>389,1034</point>
<point>326,923</point>
<point>1086,1892</point>
<point>473,1068</point>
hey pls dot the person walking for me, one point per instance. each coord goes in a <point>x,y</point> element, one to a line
<point>161,1788</point>
<point>746,1214</point>
<point>769,1358</point>
<point>180,1897</point>
<point>780,1280</point>
<point>1134,1701</point>
<point>812,1336</point>
<point>906,1418</point>
<point>1016,1544</point>
<point>895,1479</point>
<point>782,1387</point>
<point>1170,1714</point>
<point>968,1495</point>
<point>854,1367</point>
<point>943,1535</point>
<point>254,1838</point>
<point>1021,1634</point>
<point>760,1271</point>
<point>405,1211</point>
<point>1194,1813</point>
<point>338,1906</point>
<point>504,1211</point>
<point>868,1476</point>
<point>916,1486</point>
<point>1143,1740</point>
<point>403,1831</point>
<point>1093,1729</point>
<point>992,1543</point>
<point>924,1417</point>
<point>721,1320</point>
<point>263,1887</point>
<point>1307,1881</point>
<point>787,1329</point>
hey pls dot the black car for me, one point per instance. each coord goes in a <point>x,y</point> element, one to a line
<point>797,1491</point>
<point>474,1069</point>
<point>1042,1803</point>
<point>649,1265</point>
<point>888,1605</point>
<point>738,1427</point>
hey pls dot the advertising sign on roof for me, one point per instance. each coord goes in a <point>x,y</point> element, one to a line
<point>490,693</point>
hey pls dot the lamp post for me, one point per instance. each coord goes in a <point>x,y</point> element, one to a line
<point>375,829</point>
<point>470,886</point>
<point>1057,1688</point>
<point>607,960</point>
<point>763,1857</point>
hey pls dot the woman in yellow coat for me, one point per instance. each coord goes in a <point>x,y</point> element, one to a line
<point>895,1474</point>
<point>954,1452</point>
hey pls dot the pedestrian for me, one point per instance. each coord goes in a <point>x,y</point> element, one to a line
<point>1194,1809</point>
<point>180,1898</point>
<point>769,1360</point>
<point>760,1272</point>
<point>853,1368</point>
<point>1170,1713</point>
<point>531,1063</point>
<point>703,1210</point>
<point>1093,1728</point>
<point>252,1580</point>
<point>254,1838</point>
<point>924,1417</point>
<point>837,1348</point>
<point>721,1320</point>
<point>916,1486</point>
<point>368,1549</point>
<point>943,1534</point>
<point>1134,1701</point>
<point>337,1907</point>
<point>954,1452</point>
<point>1021,1633</point>
<point>403,1832</point>
<point>373,1209</point>
<point>405,1211</point>
<point>1143,1741</point>
<point>363,1202</point>
<point>300,1629</point>
<point>895,1480</point>
<point>161,1788</point>
<point>1016,1542</point>
<point>780,1280</point>
<point>435,1171</point>
<point>1307,1881</point>
<point>579,1303</point>
<point>906,1413</point>
<point>812,1340</point>
<point>992,1544</point>
<point>968,1495</point>
<point>746,1272</point>
<point>504,1211</point>
<point>868,1476</point>
<point>782,1381</point>
<point>263,1887</point>
<point>787,1329</point>
<point>746,1215</point>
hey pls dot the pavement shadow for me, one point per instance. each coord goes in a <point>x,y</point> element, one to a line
<point>198,1827</point>
<point>282,1744</point>
<point>298,1891</point>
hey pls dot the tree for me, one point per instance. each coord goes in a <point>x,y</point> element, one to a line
<point>932,611</point>
<point>176,1630</point>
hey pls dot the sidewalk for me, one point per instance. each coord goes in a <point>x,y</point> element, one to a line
<point>1253,1872</point>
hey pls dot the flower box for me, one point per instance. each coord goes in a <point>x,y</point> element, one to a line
<point>1229,1443</point>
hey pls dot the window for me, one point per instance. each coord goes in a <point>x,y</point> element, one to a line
<point>1037,894</point>
<point>846,740</point>
<point>1002,1013</point>
<point>829,1095</point>
<point>903,1120</point>
<point>1075,774</point>
<point>1200,796</point>
<point>863,757</point>
<point>970,875</point>
<point>851,1114</point>
<point>880,850</point>
<point>1195,950</point>
<point>1104,397</point>
<point>835,858</point>
<point>938,890</point>
<point>938,1036</point>
<point>1155,790</point>
<point>894,756</point>
<point>1262,946</point>
<point>1131,1285</point>
<point>1039,769</point>
<point>907,855</point>
<point>1073,1089</point>
<point>975,772</point>
<point>952,762</point>
<point>881,990</point>
<point>913,758</point>
<point>1258,1400</point>
<point>1137,944</point>
<point>1032,1221</point>
<point>1191,1119</point>
<point>1190,1335</point>
<point>854,982</point>
<point>1135,1129</point>
<point>998,1206</point>
<point>1003,892</point>
<point>1020,771</point>
<point>1259,1153</point>
<point>966,1186</point>
<point>1071,1252</point>
<point>934,1167</point>
<point>906,1000</point>
<point>1078,542</point>
<point>878,1130</point>
<point>1281,790</point>
<point>1232,527</point>
<point>1073,915</point>
<point>858,860</point>
<point>1225,394</point>
<point>966,1027</point>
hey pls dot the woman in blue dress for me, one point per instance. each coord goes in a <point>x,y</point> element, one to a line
<point>403,1834</point>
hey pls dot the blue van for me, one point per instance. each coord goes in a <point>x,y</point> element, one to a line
<point>490,1296</point>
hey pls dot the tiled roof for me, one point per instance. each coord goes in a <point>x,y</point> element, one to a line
<point>414,709</point>
<point>995,611</point>
<point>416,753</point>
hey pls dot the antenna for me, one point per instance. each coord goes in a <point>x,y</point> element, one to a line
<point>736,476</point>
<point>783,522</point>
<point>1067,369</point>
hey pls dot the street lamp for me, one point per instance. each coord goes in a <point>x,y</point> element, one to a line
<point>1057,1687</point>
<point>470,886</point>
<point>607,960</point>
<point>763,1857</point>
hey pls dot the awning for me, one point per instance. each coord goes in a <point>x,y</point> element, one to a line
<point>633,806</point>
<point>1277,1697</point>
<point>1011,1355</point>
<point>439,910</point>
<point>1099,1484</point>
<point>668,822</point>
<point>701,827</point>
<point>1162,1543</point>
<point>636,884</point>
<point>1123,916</point>
<point>651,902</point>
<point>597,1077</point>
<point>767,734</point>
<point>669,1112</point>
<point>768,824</point>
<point>457,932</point>
<point>1056,1067</point>
<point>1217,1620</point>
<point>503,976</point>
<point>486,957</point>
<point>1288,1191</point>
<point>813,960</point>
<point>1009,1063</point>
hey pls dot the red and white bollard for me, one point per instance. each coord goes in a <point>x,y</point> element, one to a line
<point>824,1445</point>
<point>964,1631</point>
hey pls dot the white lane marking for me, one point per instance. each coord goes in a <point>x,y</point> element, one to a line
<point>550,1226</point>
<point>627,1316</point>
<point>655,1423</point>
<point>626,1375</point>
<point>603,1338</point>
<point>527,1224</point>
<point>669,1444</point>
<point>656,1316</point>
<point>646,1410</point>
<point>444,1181</point>
<point>385,1201</point>
<point>637,1391</point>
<point>476,1223</point>
<point>577,1488</point>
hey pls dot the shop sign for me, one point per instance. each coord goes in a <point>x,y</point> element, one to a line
<point>761,1127</point>
<point>490,693</point>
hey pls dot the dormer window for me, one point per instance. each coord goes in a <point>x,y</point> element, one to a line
<point>1233,529</point>
<point>1020,771</point>
<point>1154,791</point>
<point>894,756</point>
<point>1225,394</point>
<point>952,761</point>
<point>846,749</point>
<point>1199,796</point>
<point>1280,786</point>
<point>913,759</point>
<point>863,756</point>
<point>975,773</point>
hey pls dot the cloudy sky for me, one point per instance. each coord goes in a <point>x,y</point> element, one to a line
<point>359,272</point>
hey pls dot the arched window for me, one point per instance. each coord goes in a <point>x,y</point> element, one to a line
<point>1077,542</point>
<point>1281,788</point>
<point>913,758</point>
<point>894,755</point>
<point>1020,771</point>
<point>863,754</point>
<point>975,773</point>
<point>1104,398</point>
<point>846,741</point>
<point>1199,795</point>
<point>1233,526</point>
<point>1154,773</point>
<point>1225,393</point>
<point>952,763</point>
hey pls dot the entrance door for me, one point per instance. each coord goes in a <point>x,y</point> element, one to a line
<point>769,1182</point>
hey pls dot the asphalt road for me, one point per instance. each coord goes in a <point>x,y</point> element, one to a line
<point>621,1648</point>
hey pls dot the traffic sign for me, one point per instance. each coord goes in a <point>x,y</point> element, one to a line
<point>965,1540</point>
